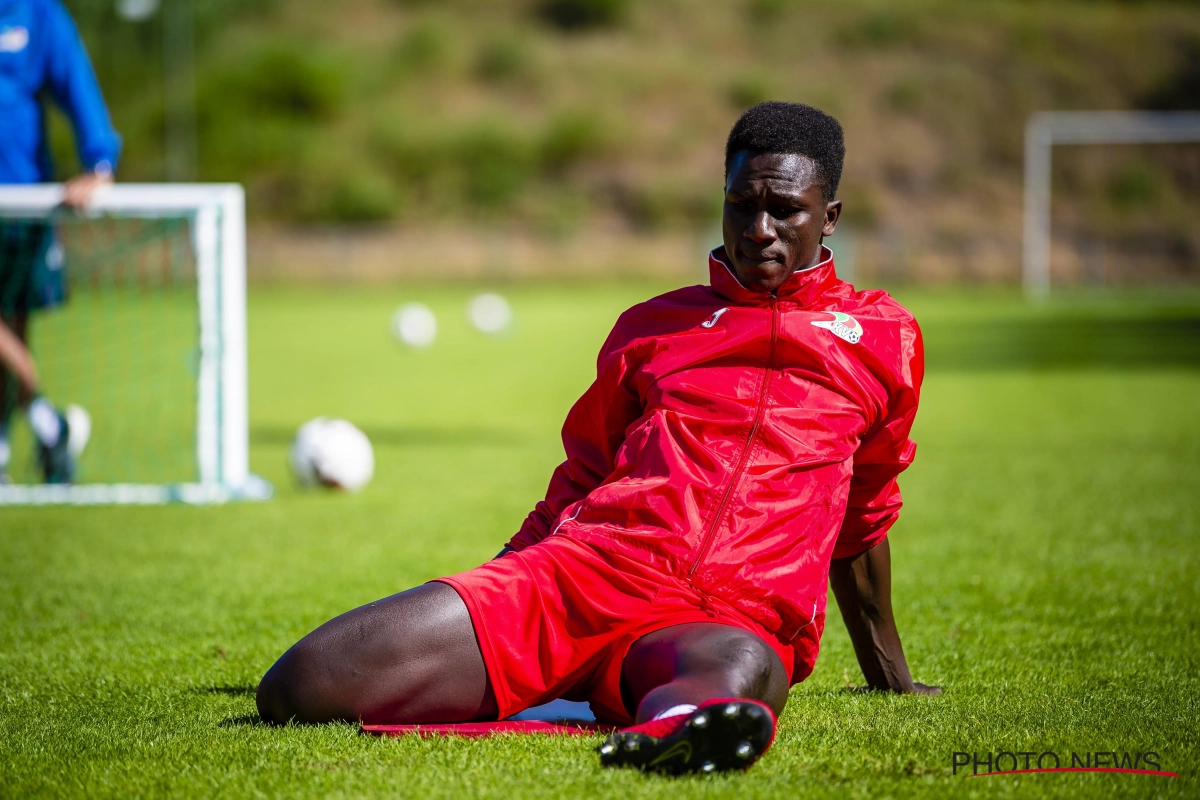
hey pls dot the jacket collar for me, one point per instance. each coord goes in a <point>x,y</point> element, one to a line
<point>804,287</point>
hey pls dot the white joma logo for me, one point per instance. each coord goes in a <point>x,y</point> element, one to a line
<point>711,321</point>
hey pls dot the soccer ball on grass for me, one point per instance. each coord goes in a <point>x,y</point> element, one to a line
<point>332,453</point>
<point>415,325</point>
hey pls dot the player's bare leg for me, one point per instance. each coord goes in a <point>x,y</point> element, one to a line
<point>688,664</point>
<point>18,379</point>
<point>16,365</point>
<point>60,441</point>
<point>408,658</point>
<point>707,696</point>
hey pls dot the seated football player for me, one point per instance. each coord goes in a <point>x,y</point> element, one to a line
<point>737,452</point>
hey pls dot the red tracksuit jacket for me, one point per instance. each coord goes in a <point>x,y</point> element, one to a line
<point>740,441</point>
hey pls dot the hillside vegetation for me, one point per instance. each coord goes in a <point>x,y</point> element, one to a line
<point>559,113</point>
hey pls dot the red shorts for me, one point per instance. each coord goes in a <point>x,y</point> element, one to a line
<point>557,619</point>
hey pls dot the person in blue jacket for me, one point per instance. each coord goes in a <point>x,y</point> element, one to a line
<point>41,54</point>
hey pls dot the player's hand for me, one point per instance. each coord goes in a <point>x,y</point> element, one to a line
<point>78,191</point>
<point>917,688</point>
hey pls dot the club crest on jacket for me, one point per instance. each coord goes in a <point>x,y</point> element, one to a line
<point>843,326</point>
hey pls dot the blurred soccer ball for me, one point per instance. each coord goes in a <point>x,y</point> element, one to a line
<point>136,10</point>
<point>79,429</point>
<point>490,313</point>
<point>333,453</point>
<point>415,325</point>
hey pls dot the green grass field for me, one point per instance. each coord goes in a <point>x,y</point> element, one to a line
<point>1047,565</point>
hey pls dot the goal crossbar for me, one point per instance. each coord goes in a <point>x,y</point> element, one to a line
<point>216,214</point>
<point>1046,129</point>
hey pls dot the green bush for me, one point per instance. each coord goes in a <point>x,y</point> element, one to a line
<point>485,164</point>
<point>581,14</point>
<point>750,90</point>
<point>361,197</point>
<point>503,56</point>
<point>764,13</point>
<point>283,80</point>
<point>482,106</point>
<point>1180,90</point>
<point>425,48</point>
<point>495,163</point>
<point>570,137</point>
<point>904,95</point>
<point>477,166</point>
<point>1135,184</point>
<point>666,204</point>
<point>881,30</point>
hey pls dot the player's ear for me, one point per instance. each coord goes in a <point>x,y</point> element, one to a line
<point>833,212</point>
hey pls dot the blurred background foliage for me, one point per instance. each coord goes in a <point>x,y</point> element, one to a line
<point>557,112</point>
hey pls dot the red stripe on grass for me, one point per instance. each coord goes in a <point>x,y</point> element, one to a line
<point>1078,769</point>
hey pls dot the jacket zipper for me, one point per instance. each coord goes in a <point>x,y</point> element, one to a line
<point>706,543</point>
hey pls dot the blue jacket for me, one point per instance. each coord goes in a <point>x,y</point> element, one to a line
<point>41,49</point>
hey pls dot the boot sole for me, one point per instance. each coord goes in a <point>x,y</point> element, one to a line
<point>722,737</point>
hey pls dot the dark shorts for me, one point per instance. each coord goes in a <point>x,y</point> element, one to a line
<point>31,267</point>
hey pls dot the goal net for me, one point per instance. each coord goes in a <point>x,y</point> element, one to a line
<point>1147,223</point>
<point>133,310</point>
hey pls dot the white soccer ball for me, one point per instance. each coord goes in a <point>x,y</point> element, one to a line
<point>415,324</point>
<point>332,453</point>
<point>136,10</point>
<point>490,313</point>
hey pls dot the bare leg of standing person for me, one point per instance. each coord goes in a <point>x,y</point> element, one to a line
<point>18,380</point>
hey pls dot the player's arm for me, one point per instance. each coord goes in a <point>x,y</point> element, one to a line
<point>73,84</point>
<point>592,434</point>
<point>861,570</point>
<point>862,585</point>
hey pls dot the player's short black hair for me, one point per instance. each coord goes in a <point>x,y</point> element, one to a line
<point>791,128</point>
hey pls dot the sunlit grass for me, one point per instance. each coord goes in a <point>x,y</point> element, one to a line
<point>1046,565</point>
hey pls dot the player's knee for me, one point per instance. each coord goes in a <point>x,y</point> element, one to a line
<point>273,698</point>
<point>754,670</point>
<point>273,707</point>
<point>288,692</point>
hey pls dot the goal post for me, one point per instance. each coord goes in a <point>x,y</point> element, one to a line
<point>175,255</point>
<point>1046,129</point>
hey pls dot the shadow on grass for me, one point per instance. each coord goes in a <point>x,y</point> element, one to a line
<point>403,437</point>
<point>232,691</point>
<point>860,691</point>
<point>1109,341</point>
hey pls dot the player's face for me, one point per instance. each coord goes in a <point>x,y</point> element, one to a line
<point>775,215</point>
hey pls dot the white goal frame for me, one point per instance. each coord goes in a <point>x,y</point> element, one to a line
<point>217,218</point>
<point>1046,129</point>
